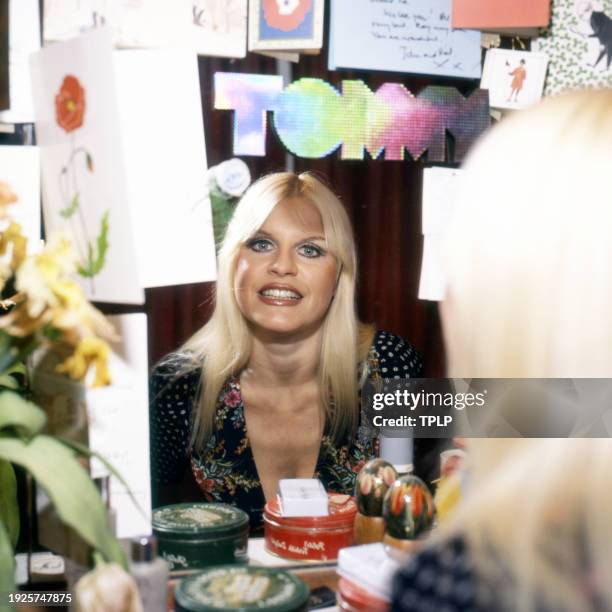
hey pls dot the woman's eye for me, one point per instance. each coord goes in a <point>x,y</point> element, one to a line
<point>310,250</point>
<point>260,245</point>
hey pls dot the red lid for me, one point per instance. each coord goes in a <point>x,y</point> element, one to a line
<point>360,599</point>
<point>342,511</point>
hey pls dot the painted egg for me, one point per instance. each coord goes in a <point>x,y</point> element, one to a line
<point>408,508</point>
<point>372,484</point>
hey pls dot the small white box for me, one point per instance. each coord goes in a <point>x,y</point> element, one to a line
<point>370,567</point>
<point>302,497</point>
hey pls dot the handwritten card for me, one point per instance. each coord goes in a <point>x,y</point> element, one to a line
<point>439,185</point>
<point>220,27</point>
<point>134,23</point>
<point>413,36</point>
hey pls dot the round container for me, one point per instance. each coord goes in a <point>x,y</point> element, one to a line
<point>353,599</point>
<point>241,588</point>
<point>193,536</point>
<point>310,538</point>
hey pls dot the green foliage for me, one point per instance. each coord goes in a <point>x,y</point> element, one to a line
<point>9,509</point>
<point>54,465</point>
<point>222,211</point>
<point>71,208</point>
<point>7,567</point>
<point>73,493</point>
<point>95,261</point>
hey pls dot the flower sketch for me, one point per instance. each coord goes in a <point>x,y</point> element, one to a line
<point>70,106</point>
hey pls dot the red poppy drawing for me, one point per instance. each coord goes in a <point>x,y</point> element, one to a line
<point>285,15</point>
<point>70,104</point>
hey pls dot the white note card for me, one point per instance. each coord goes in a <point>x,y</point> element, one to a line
<point>412,36</point>
<point>439,186</point>
<point>119,426</point>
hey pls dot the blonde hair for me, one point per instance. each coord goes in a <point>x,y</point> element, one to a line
<point>528,259</point>
<point>528,252</point>
<point>222,347</point>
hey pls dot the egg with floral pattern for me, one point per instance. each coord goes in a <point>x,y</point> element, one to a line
<point>408,508</point>
<point>372,484</point>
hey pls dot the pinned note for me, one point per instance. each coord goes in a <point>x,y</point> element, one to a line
<point>413,36</point>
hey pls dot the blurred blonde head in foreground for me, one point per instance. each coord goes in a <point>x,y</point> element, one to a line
<point>529,268</point>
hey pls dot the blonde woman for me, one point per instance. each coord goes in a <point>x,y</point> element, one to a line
<point>281,357</point>
<point>529,267</point>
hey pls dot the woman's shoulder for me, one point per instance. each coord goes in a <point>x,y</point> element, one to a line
<point>442,574</point>
<point>396,358</point>
<point>177,373</point>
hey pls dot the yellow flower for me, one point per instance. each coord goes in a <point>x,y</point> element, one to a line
<point>7,197</point>
<point>12,236</point>
<point>90,351</point>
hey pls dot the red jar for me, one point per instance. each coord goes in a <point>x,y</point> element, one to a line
<point>353,599</point>
<point>310,538</point>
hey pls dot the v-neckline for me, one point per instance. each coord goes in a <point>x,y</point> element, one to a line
<point>234,380</point>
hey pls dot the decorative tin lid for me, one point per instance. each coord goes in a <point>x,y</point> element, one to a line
<point>244,588</point>
<point>201,519</point>
<point>342,510</point>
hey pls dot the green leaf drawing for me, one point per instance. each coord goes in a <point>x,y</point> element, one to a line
<point>89,161</point>
<point>95,261</point>
<point>71,208</point>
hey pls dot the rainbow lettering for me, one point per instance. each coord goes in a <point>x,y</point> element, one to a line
<point>312,118</point>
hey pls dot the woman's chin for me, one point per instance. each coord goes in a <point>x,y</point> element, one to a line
<point>285,329</point>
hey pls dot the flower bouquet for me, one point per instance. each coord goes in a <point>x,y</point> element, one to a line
<point>42,307</point>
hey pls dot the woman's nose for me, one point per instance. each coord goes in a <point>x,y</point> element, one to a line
<point>283,262</point>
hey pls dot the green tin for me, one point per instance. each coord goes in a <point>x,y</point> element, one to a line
<point>193,536</point>
<point>239,588</point>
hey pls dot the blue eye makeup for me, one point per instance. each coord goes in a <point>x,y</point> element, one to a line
<point>311,250</point>
<point>259,245</point>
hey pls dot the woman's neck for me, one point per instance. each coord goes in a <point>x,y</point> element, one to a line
<point>276,362</point>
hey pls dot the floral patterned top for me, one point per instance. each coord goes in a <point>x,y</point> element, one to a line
<point>224,469</point>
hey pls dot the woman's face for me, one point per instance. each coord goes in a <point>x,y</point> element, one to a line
<point>285,277</point>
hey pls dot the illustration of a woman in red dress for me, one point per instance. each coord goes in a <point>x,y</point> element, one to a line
<point>519,74</point>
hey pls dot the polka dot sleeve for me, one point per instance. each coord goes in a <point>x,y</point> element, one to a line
<point>171,400</point>
<point>397,358</point>
<point>441,579</point>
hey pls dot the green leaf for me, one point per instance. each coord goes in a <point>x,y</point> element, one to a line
<point>7,568</point>
<point>87,452</point>
<point>15,377</point>
<point>16,412</point>
<point>73,493</point>
<point>89,161</point>
<point>95,262</point>
<point>71,208</point>
<point>222,211</point>
<point>9,509</point>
